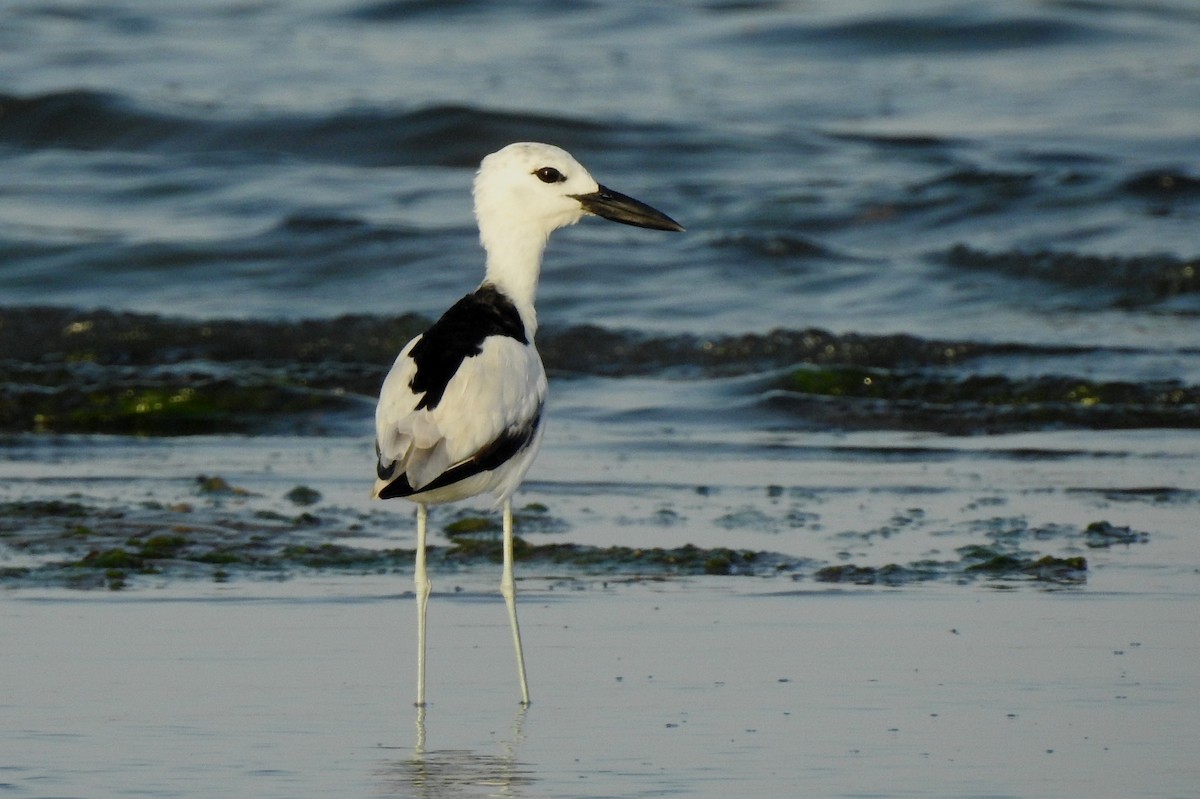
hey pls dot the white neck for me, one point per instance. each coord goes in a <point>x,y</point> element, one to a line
<point>514,263</point>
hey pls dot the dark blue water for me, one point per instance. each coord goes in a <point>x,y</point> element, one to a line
<point>1009,191</point>
<point>969,170</point>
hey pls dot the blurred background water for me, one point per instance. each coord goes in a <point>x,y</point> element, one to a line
<point>997,171</point>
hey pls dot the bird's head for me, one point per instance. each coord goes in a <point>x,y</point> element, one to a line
<point>537,188</point>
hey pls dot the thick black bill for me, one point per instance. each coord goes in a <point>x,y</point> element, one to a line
<point>619,208</point>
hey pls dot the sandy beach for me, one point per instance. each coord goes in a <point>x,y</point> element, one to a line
<point>705,687</point>
<point>299,681</point>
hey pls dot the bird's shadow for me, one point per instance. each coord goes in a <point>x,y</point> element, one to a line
<point>444,773</point>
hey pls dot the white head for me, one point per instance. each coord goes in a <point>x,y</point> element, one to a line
<point>526,191</point>
<point>531,187</point>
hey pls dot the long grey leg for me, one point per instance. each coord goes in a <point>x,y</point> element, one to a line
<point>509,591</point>
<point>423,587</point>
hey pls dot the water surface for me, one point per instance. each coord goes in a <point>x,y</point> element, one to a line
<point>881,480</point>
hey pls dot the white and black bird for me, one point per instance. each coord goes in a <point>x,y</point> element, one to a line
<point>460,412</point>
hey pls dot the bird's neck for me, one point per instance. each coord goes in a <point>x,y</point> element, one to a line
<point>514,263</point>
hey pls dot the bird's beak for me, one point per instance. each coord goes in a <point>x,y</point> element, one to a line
<point>619,208</point>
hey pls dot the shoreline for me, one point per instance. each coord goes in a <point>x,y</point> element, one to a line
<point>125,514</point>
<point>695,686</point>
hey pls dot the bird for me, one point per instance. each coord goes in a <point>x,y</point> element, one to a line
<point>460,412</point>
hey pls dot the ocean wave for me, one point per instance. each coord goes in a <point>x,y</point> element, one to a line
<point>907,34</point>
<point>1167,186</point>
<point>775,246</point>
<point>67,370</point>
<point>1133,280</point>
<point>949,402</point>
<point>443,135</point>
<point>397,11</point>
<point>84,120</point>
<point>66,335</point>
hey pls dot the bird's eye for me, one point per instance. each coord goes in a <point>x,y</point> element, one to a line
<point>549,174</point>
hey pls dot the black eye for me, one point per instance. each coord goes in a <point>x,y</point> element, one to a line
<point>549,174</point>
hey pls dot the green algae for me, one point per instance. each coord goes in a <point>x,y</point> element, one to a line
<point>948,401</point>
<point>84,546</point>
<point>339,557</point>
<point>531,518</point>
<point>165,405</point>
<point>1102,535</point>
<point>221,558</point>
<point>218,486</point>
<point>116,579</point>
<point>998,564</point>
<point>686,559</point>
<point>841,382</point>
<point>222,545</point>
<point>471,525</point>
<point>943,388</point>
<point>39,508</point>
<point>303,495</point>
<point>116,558</point>
<point>162,546</point>
<point>67,370</point>
<point>1001,567</point>
<point>465,549</point>
<point>891,574</point>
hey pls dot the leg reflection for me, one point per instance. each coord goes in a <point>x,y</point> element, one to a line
<point>432,772</point>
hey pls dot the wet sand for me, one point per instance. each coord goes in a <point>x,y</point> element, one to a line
<point>711,686</point>
<point>297,680</point>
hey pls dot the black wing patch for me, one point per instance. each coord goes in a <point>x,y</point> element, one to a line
<point>490,458</point>
<point>460,334</point>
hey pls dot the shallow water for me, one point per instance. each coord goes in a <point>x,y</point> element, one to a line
<point>930,397</point>
<point>295,680</point>
<point>643,690</point>
<point>934,507</point>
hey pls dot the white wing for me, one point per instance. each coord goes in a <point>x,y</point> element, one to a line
<point>494,394</point>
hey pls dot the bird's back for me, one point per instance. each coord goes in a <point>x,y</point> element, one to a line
<point>460,412</point>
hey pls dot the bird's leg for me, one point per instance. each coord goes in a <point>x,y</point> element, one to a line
<point>419,748</point>
<point>422,585</point>
<point>509,591</point>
